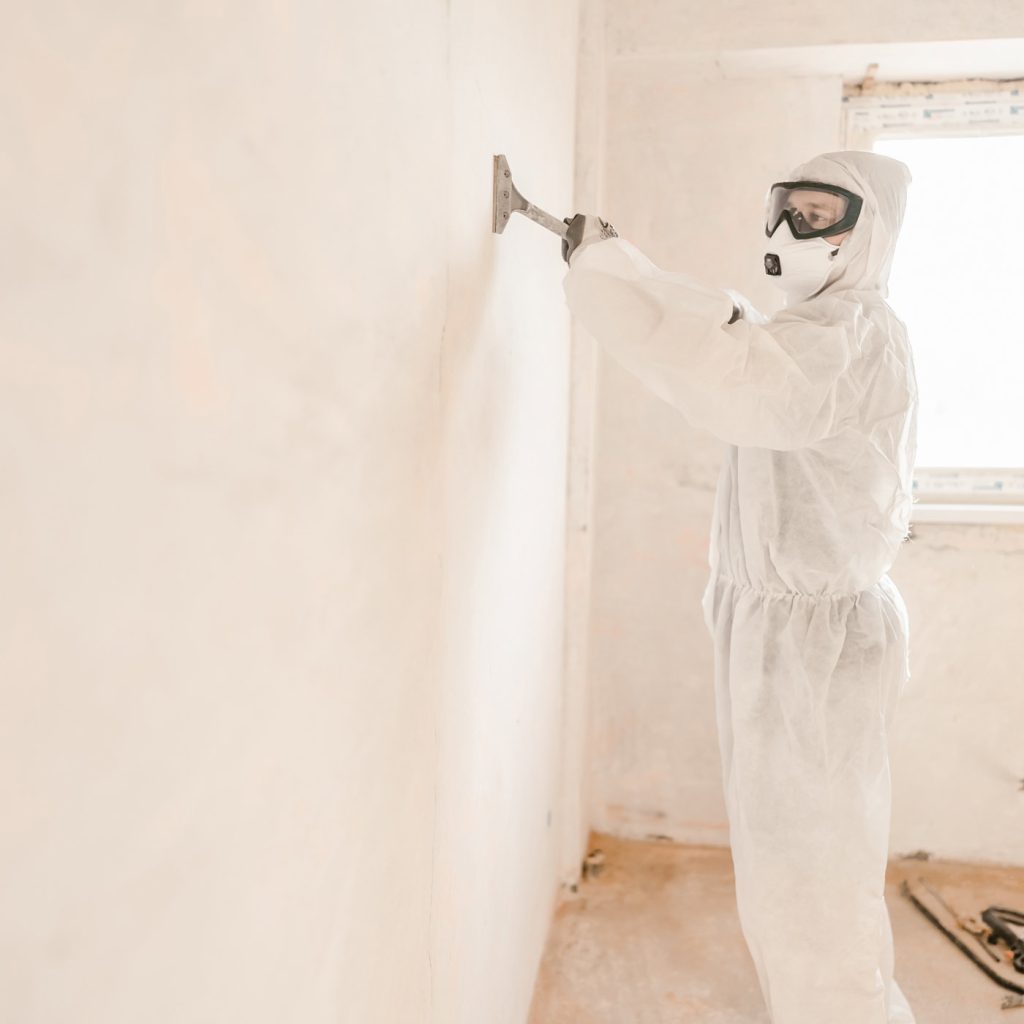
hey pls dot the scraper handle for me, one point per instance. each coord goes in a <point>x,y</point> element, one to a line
<point>545,220</point>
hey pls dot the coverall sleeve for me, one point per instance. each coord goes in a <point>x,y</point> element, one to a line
<point>777,385</point>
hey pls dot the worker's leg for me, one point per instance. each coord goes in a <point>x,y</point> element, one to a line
<point>805,692</point>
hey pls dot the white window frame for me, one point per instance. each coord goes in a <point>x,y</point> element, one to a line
<point>945,110</point>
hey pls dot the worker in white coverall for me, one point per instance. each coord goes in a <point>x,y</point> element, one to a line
<point>817,406</point>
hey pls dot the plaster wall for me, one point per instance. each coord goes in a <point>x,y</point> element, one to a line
<point>687,157</point>
<point>282,484</point>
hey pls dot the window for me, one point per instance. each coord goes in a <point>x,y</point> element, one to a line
<point>958,271</point>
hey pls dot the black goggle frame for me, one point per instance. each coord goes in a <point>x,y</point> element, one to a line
<point>853,208</point>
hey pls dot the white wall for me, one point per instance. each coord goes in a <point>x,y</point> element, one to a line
<point>502,805</point>
<point>282,451</point>
<point>689,150</point>
<point>958,760</point>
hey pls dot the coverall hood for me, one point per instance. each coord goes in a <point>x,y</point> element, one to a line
<point>865,257</point>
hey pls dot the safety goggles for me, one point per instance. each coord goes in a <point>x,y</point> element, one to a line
<point>812,208</point>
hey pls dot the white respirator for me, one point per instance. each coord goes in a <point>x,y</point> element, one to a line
<point>799,267</point>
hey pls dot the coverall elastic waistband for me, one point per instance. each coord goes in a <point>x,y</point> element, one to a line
<point>768,592</point>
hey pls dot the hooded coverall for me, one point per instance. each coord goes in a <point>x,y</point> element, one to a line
<point>818,408</point>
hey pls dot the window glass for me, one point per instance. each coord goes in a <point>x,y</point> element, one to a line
<point>957,283</point>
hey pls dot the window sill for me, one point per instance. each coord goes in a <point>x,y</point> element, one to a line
<point>929,512</point>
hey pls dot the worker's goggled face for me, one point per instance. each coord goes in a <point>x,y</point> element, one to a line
<point>813,210</point>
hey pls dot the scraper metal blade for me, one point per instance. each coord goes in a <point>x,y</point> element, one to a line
<point>508,200</point>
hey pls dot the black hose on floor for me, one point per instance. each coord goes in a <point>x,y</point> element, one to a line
<point>962,946</point>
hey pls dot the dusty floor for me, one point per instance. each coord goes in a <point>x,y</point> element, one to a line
<point>655,939</point>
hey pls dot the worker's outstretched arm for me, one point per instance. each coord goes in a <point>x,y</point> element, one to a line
<point>774,385</point>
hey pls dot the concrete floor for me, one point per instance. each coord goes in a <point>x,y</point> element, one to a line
<point>655,939</point>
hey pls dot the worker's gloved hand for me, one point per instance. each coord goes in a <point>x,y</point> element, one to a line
<point>743,308</point>
<point>584,229</point>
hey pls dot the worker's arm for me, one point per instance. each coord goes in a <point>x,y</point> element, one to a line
<point>766,385</point>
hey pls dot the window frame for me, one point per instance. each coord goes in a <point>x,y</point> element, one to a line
<point>965,109</point>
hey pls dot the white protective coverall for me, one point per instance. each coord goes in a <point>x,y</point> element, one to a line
<point>818,407</point>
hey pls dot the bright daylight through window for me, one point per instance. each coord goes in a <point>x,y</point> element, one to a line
<point>956,281</point>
